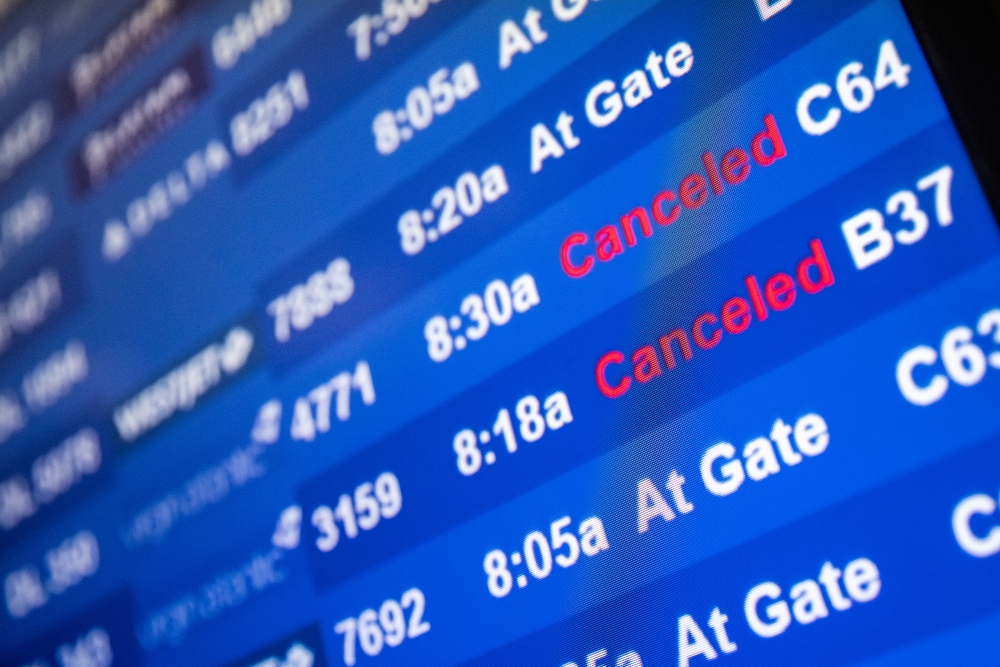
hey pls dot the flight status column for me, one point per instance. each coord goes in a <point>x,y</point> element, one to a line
<point>618,335</point>
<point>687,453</point>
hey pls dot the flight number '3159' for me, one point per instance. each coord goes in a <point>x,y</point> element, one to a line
<point>372,502</point>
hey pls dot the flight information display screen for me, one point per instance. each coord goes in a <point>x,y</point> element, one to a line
<point>563,333</point>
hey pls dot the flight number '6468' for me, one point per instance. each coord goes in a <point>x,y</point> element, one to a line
<point>312,411</point>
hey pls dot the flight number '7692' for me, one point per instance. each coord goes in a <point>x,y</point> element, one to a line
<point>374,630</point>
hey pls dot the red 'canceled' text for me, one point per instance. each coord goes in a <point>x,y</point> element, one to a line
<point>615,375</point>
<point>577,252</point>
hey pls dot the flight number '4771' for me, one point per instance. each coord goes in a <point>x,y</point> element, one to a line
<point>312,411</point>
<point>388,626</point>
<point>496,306</point>
<point>532,425</point>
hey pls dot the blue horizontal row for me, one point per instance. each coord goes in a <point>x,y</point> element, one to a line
<point>570,300</point>
<point>910,580</point>
<point>803,250</point>
<point>665,380</point>
<point>386,268</point>
<point>863,435</point>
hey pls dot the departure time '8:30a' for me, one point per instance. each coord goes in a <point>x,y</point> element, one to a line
<point>498,304</point>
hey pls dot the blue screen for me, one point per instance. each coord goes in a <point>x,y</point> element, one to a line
<point>568,333</point>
